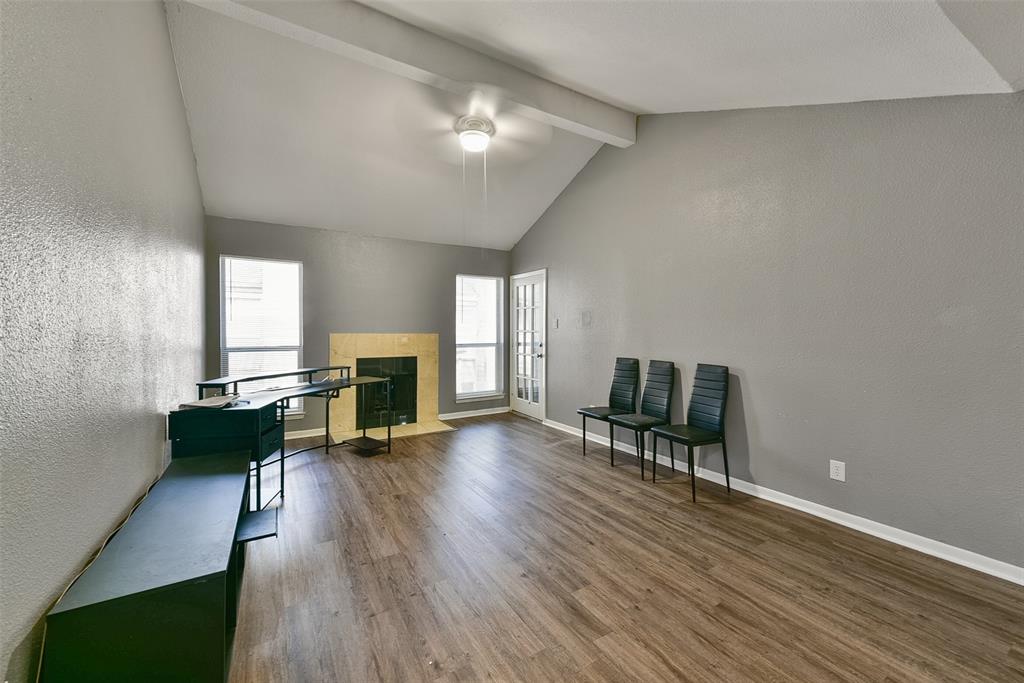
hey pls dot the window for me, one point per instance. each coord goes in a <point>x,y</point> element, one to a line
<point>261,319</point>
<point>478,348</point>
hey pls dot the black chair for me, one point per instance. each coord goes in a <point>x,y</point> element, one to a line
<point>705,421</point>
<point>621,398</point>
<point>655,406</point>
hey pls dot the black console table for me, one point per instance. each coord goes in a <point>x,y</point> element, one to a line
<point>161,601</point>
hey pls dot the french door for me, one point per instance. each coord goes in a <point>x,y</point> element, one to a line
<point>527,362</point>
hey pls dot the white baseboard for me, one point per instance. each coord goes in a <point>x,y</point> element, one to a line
<point>303,433</point>
<point>591,436</point>
<point>928,546</point>
<point>473,413</point>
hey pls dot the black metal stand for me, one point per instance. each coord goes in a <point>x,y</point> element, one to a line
<point>366,443</point>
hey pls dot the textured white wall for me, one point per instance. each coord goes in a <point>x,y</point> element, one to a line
<point>100,284</point>
<point>859,268</point>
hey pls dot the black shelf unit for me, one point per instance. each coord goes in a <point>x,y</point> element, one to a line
<point>160,602</point>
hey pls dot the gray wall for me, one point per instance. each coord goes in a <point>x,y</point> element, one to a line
<point>100,286</point>
<point>353,283</point>
<point>858,266</point>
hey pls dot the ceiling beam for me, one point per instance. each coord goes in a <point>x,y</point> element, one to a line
<point>365,35</point>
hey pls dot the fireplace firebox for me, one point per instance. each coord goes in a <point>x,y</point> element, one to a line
<point>402,371</point>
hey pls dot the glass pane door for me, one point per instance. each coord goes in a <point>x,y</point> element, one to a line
<point>527,309</point>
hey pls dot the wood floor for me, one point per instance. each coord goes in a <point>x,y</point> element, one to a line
<point>497,552</point>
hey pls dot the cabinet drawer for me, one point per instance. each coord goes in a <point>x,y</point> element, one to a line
<point>184,448</point>
<point>271,441</point>
<point>260,446</point>
<point>188,424</point>
<point>268,417</point>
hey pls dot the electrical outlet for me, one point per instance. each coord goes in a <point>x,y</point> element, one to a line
<point>837,470</point>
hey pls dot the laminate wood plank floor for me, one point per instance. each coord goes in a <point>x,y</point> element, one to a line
<point>497,552</point>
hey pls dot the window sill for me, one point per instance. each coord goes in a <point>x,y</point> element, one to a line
<point>480,397</point>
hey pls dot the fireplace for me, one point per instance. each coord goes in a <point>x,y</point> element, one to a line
<point>356,349</point>
<point>402,371</point>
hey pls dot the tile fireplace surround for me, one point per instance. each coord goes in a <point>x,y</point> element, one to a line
<point>347,347</point>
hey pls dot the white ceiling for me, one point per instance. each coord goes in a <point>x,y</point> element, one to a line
<point>333,115</point>
<point>658,57</point>
<point>287,133</point>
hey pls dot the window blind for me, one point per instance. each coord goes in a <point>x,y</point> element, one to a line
<point>261,318</point>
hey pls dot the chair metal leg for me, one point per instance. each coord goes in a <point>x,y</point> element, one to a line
<point>584,436</point>
<point>654,457</point>
<point>611,443</point>
<point>636,444</point>
<point>693,479</point>
<point>640,452</point>
<point>672,453</point>
<point>725,459</point>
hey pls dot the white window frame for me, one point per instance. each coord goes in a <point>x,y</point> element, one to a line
<point>296,410</point>
<point>499,345</point>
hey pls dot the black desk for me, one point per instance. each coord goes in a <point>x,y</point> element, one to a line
<point>256,423</point>
<point>160,601</point>
<point>328,389</point>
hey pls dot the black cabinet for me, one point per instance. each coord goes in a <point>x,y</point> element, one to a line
<point>160,602</point>
<point>254,424</point>
<point>251,425</point>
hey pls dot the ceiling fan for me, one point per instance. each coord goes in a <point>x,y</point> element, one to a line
<point>480,119</point>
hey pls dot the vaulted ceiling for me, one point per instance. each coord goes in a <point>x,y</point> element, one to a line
<point>660,57</point>
<point>287,132</point>
<point>339,116</point>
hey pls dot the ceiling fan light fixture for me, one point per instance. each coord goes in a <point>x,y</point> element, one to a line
<point>474,140</point>
<point>474,133</point>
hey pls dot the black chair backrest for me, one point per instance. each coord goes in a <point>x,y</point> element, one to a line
<point>657,398</point>
<point>624,381</point>
<point>707,401</point>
